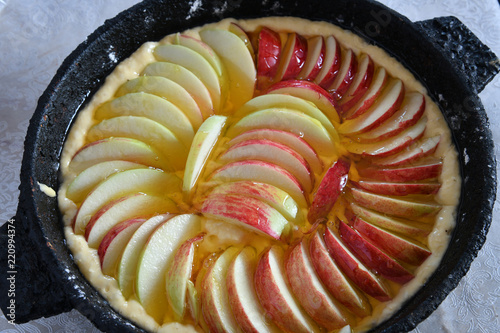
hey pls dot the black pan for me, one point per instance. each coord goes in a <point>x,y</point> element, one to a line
<point>450,61</point>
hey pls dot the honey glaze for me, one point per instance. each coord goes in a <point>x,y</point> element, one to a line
<point>216,235</point>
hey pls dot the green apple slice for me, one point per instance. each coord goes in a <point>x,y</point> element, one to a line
<point>151,181</point>
<point>146,130</point>
<point>194,62</point>
<point>203,143</point>
<point>156,258</point>
<point>127,267</point>
<point>167,89</point>
<point>142,104</point>
<point>116,148</point>
<point>238,62</point>
<point>188,80</point>
<point>203,49</point>
<point>89,178</point>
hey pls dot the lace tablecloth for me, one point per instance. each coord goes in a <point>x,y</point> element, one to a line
<point>36,36</point>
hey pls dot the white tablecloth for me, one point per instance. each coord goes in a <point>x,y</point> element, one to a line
<point>36,36</point>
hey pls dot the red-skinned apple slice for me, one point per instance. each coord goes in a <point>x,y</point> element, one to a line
<point>315,57</point>
<point>329,189</point>
<point>406,227</point>
<point>112,245</point>
<point>273,196</point>
<point>334,280</point>
<point>293,57</point>
<point>268,56</point>
<point>393,206</point>
<point>354,269</point>
<point>291,140</point>
<point>309,290</point>
<point>263,172</point>
<point>361,83</point>
<point>389,146</point>
<point>331,64</point>
<point>276,297</point>
<point>346,74</point>
<point>179,274</point>
<point>272,152</point>
<point>398,247</point>
<point>309,91</point>
<point>214,294</point>
<point>242,296</point>
<point>398,189</point>
<point>403,174</point>
<point>373,257</point>
<point>409,113</point>
<point>386,105</point>
<point>248,212</point>
<point>426,148</point>
<point>352,108</point>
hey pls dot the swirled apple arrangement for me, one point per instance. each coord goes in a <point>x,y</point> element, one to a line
<point>263,175</point>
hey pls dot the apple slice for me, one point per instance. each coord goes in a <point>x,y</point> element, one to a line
<point>127,267</point>
<point>353,108</point>
<point>328,191</point>
<point>293,57</point>
<point>393,206</point>
<point>333,279</point>
<point>268,56</point>
<point>316,50</point>
<point>345,76</point>
<point>406,227</point>
<point>110,149</point>
<point>127,207</point>
<point>389,146</point>
<point>403,174</point>
<point>243,299</point>
<point>310,129</point>
<point>237,61</point>
<point>271,195</point>
<point>354,269</point>
<point>262,172</point>
<point>400,248</point>
<point>89,178</point>
<point>373,257</point>
<point>204,49</point>
<point>276,297</point>
<point>214,294</point>
<point>250,213</point>
<point>411,155</point>
<point>310,92</point>
<point>272,152</point>
<point>291,140</point>
<point>150,181</point>
<point>155,85</point>
<point>195,63</point>
<point>179,274</point>
<point>238,31</point>
<point>398,189</point>
<point>387,104</point>
<point>331,64</point>
<point>203,143</point>
<point>156,258</point>
<point>288,102</point>
<point>188,80</point>
<point>155,108</point>
<point>309,290</point>
<point>112,245</point>
<point>409,113</point>
<point>146,130</point>
<point>361,82</point>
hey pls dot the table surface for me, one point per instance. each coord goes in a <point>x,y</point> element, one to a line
<point>36,36</point>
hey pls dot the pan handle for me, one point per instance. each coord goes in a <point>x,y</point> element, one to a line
<point>464,49</point>
<point>28,289</point>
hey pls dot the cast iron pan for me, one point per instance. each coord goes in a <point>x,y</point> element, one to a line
<point>452,63</point>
